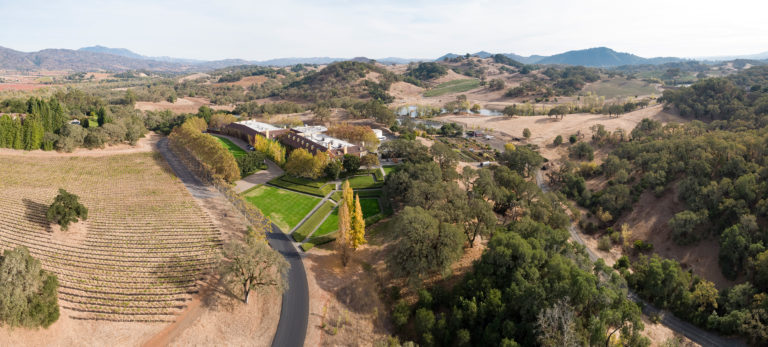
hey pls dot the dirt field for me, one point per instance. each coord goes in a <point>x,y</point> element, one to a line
<point>182,105</point>
<point>648,221</point>
<point>544,129</point>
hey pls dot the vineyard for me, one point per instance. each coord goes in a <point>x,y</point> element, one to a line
<point>144,247</point>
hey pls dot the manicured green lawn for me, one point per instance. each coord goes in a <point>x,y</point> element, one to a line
<point>311,223</point>
<point>330,224</point>
<point>389,168</point>
<point>231,146</point>
<point>370,207</point>
<point>455,86</point>
<point>302,185</point>
<point>284,207</point>
<point>363,182</point>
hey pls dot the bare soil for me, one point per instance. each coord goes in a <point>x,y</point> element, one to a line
<point>544,129</point>
<point>182,105</point>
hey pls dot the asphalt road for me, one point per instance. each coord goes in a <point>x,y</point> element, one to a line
<point>692,332</point>
<point>294,315</point>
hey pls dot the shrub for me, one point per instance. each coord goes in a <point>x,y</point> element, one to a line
<point>66,209</point>
<point>604,243</point>
<point>643,246</point>
<point>401,313</point>
<point>558,140</point>
<point>250,163</point>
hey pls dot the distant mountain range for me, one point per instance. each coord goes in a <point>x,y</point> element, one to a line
<point>121,59</point>
<point>593,57</point>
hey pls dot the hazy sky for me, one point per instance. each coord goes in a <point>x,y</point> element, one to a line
<point>261,30</point>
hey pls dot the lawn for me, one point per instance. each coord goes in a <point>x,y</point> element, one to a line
<point>389,168</point>
<point>620,87</point>
<point>364,182</point>
<point>312,222</point>
<point>284,207</point>
<point>302,185</point>
<point>370,207</point>
<point>231,146</point>
<point>455,86</point>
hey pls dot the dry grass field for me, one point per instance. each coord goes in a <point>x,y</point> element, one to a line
<point>140,254</point>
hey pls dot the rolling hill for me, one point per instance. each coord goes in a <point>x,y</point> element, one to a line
<point>67,59</point>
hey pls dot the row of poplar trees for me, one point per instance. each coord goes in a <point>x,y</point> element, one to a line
<point>351,234</point>
<point>28,132</point>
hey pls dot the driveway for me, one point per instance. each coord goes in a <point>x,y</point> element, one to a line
<point>261,177</point>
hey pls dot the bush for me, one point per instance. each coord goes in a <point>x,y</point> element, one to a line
<point>250,163</point>
<point>558,140</point>
<point>582,151</point>
<point>66,209</point>
<point>643,246</point>
<point>604,243</point>
<point>401,313</point>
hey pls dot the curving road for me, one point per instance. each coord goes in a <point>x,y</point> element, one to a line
<point>692,332</point>
<point>294,315</point>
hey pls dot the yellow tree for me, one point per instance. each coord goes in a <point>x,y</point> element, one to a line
<point>342,238</point>
<point>357,232</point>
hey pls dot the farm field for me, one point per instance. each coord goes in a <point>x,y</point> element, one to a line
<point>284,207</point>
<point>455,86</point>
<point>138,255</point>
<point>621,88</point>
<point>231,146</point>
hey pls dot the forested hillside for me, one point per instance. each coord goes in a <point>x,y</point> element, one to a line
<point>719,170</point>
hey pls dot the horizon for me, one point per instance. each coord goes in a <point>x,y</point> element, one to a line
<point>421,30</point>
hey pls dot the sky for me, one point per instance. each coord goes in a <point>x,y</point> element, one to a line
<point>260,30</point>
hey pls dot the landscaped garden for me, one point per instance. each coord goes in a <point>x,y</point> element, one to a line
<point>285,208</point>
<point>231,146</point>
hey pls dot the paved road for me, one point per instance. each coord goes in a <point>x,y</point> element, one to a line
<point>294,315</point>
<point>669,320</point>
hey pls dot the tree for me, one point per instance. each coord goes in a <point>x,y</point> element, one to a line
<point>683,224</point>
<point>300,163</point>
<point>480,220</point>
<point>28,295</point>
<point>102,116</point>
<point>66,209</point>
<point>582,151</point>
<point>369,160</point>
<point>425,245</point>
<point>733,248</point>
<point>333,169</point>
<point>252,265</point>
<point>220,120</point>
<point>321,113</point>
<point>558,141</point>
<point>527,133</point>
<point>556,325</point>
<point>344,237</point>
<point>496,84</point>
<point>351,163</point>
<point>357,231</point>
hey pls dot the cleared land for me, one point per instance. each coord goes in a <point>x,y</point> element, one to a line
<point>138,255</point>
<point>455,86</point>
<point>231,146</point>
<point>621,88</point>
<point>285,208</point>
